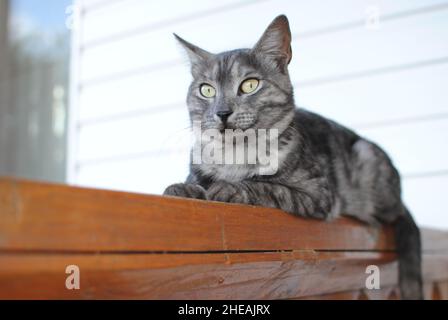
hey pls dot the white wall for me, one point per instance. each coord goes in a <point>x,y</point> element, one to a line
<point>389,83</point>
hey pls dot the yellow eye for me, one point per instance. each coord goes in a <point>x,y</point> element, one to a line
<point>249,86</point>
<point>208,91</point>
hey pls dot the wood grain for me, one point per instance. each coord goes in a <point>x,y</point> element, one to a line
<point>131,246</point>
<point>200,276</point>
<point>46,217</point>
<point>193,276</point>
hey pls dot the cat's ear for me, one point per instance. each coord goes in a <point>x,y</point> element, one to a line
<point>196,54</point>
<point>275,42</point>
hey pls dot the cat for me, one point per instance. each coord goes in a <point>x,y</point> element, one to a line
<point>324,170</point>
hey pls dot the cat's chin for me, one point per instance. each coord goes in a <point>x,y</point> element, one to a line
<point>252,126</point>
<point>223,130</point>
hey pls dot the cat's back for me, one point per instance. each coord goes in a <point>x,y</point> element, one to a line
<point>324,135</point>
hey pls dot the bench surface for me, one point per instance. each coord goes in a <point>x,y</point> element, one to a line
<point>133,246</point>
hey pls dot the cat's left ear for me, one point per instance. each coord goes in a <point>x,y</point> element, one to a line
<point>196,54</point>
<point>275,42</point>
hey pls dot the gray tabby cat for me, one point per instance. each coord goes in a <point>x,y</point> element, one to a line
<point>325,169</point>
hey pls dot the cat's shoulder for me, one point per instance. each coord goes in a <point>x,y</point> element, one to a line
<point>311,121</point>
<point>304,116</point>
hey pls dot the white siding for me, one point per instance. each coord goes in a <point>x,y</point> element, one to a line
<point>131,125</point>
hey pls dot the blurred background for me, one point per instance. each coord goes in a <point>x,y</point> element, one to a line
<point>92,92</point>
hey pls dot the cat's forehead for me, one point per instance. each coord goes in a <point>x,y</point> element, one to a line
<point>231,64</point>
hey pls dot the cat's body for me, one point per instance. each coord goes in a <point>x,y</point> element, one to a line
<point>342,172</point>
<point>324,169</point>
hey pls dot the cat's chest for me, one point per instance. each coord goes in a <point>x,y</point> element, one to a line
<point>237,162</point>
<point>239,172</point>
<point>231,173</point>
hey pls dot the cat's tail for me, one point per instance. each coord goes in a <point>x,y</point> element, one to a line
<point>408,245</point>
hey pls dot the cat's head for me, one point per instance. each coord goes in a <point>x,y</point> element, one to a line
<point>244,88</point>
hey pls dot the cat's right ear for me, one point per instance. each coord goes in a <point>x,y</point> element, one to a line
<point>196,54</point>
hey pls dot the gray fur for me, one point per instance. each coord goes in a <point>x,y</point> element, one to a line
<point>325,169</point>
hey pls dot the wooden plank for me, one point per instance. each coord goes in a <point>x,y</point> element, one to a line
<point>130,246</point>
<point>434,241</point>
<point>346,295</point>
<point>199,276</point>
<point>45,217</point>
<point>442,287</point>
<point>428,289</point>
<point>380,294</point>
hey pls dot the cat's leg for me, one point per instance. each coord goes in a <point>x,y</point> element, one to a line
<point>186,190</point>
<point>314,203</point>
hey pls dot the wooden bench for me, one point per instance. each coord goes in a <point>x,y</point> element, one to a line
<point>132,246</point>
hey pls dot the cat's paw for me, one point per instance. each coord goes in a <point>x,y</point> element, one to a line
<point>228,192</point>
<point>186,190</point>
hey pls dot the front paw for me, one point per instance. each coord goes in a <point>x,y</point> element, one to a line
<point>228,192</point>
<point>186,190</point>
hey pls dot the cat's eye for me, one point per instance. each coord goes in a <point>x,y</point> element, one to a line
<point>207,91</point>
<point>249,85</point>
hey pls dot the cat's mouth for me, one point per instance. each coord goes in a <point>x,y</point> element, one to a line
<point>222,129</point>
<point>236,126</point>
<point>227,126</point>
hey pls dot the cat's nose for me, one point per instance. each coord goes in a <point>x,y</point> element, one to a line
<point>224,115</point>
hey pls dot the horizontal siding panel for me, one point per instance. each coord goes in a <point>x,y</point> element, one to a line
<point>125,16</point>
<point>155,133</point>
<point>425,197</point>
<point>137,16</point>
<point>89,5</point>
<point>414,147</point>
<point>315,57</point>
<point>147,91</point>
<point>360,101</point>
<point>150,174</point>
<point>377,99</point>
<point>360,49</point>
